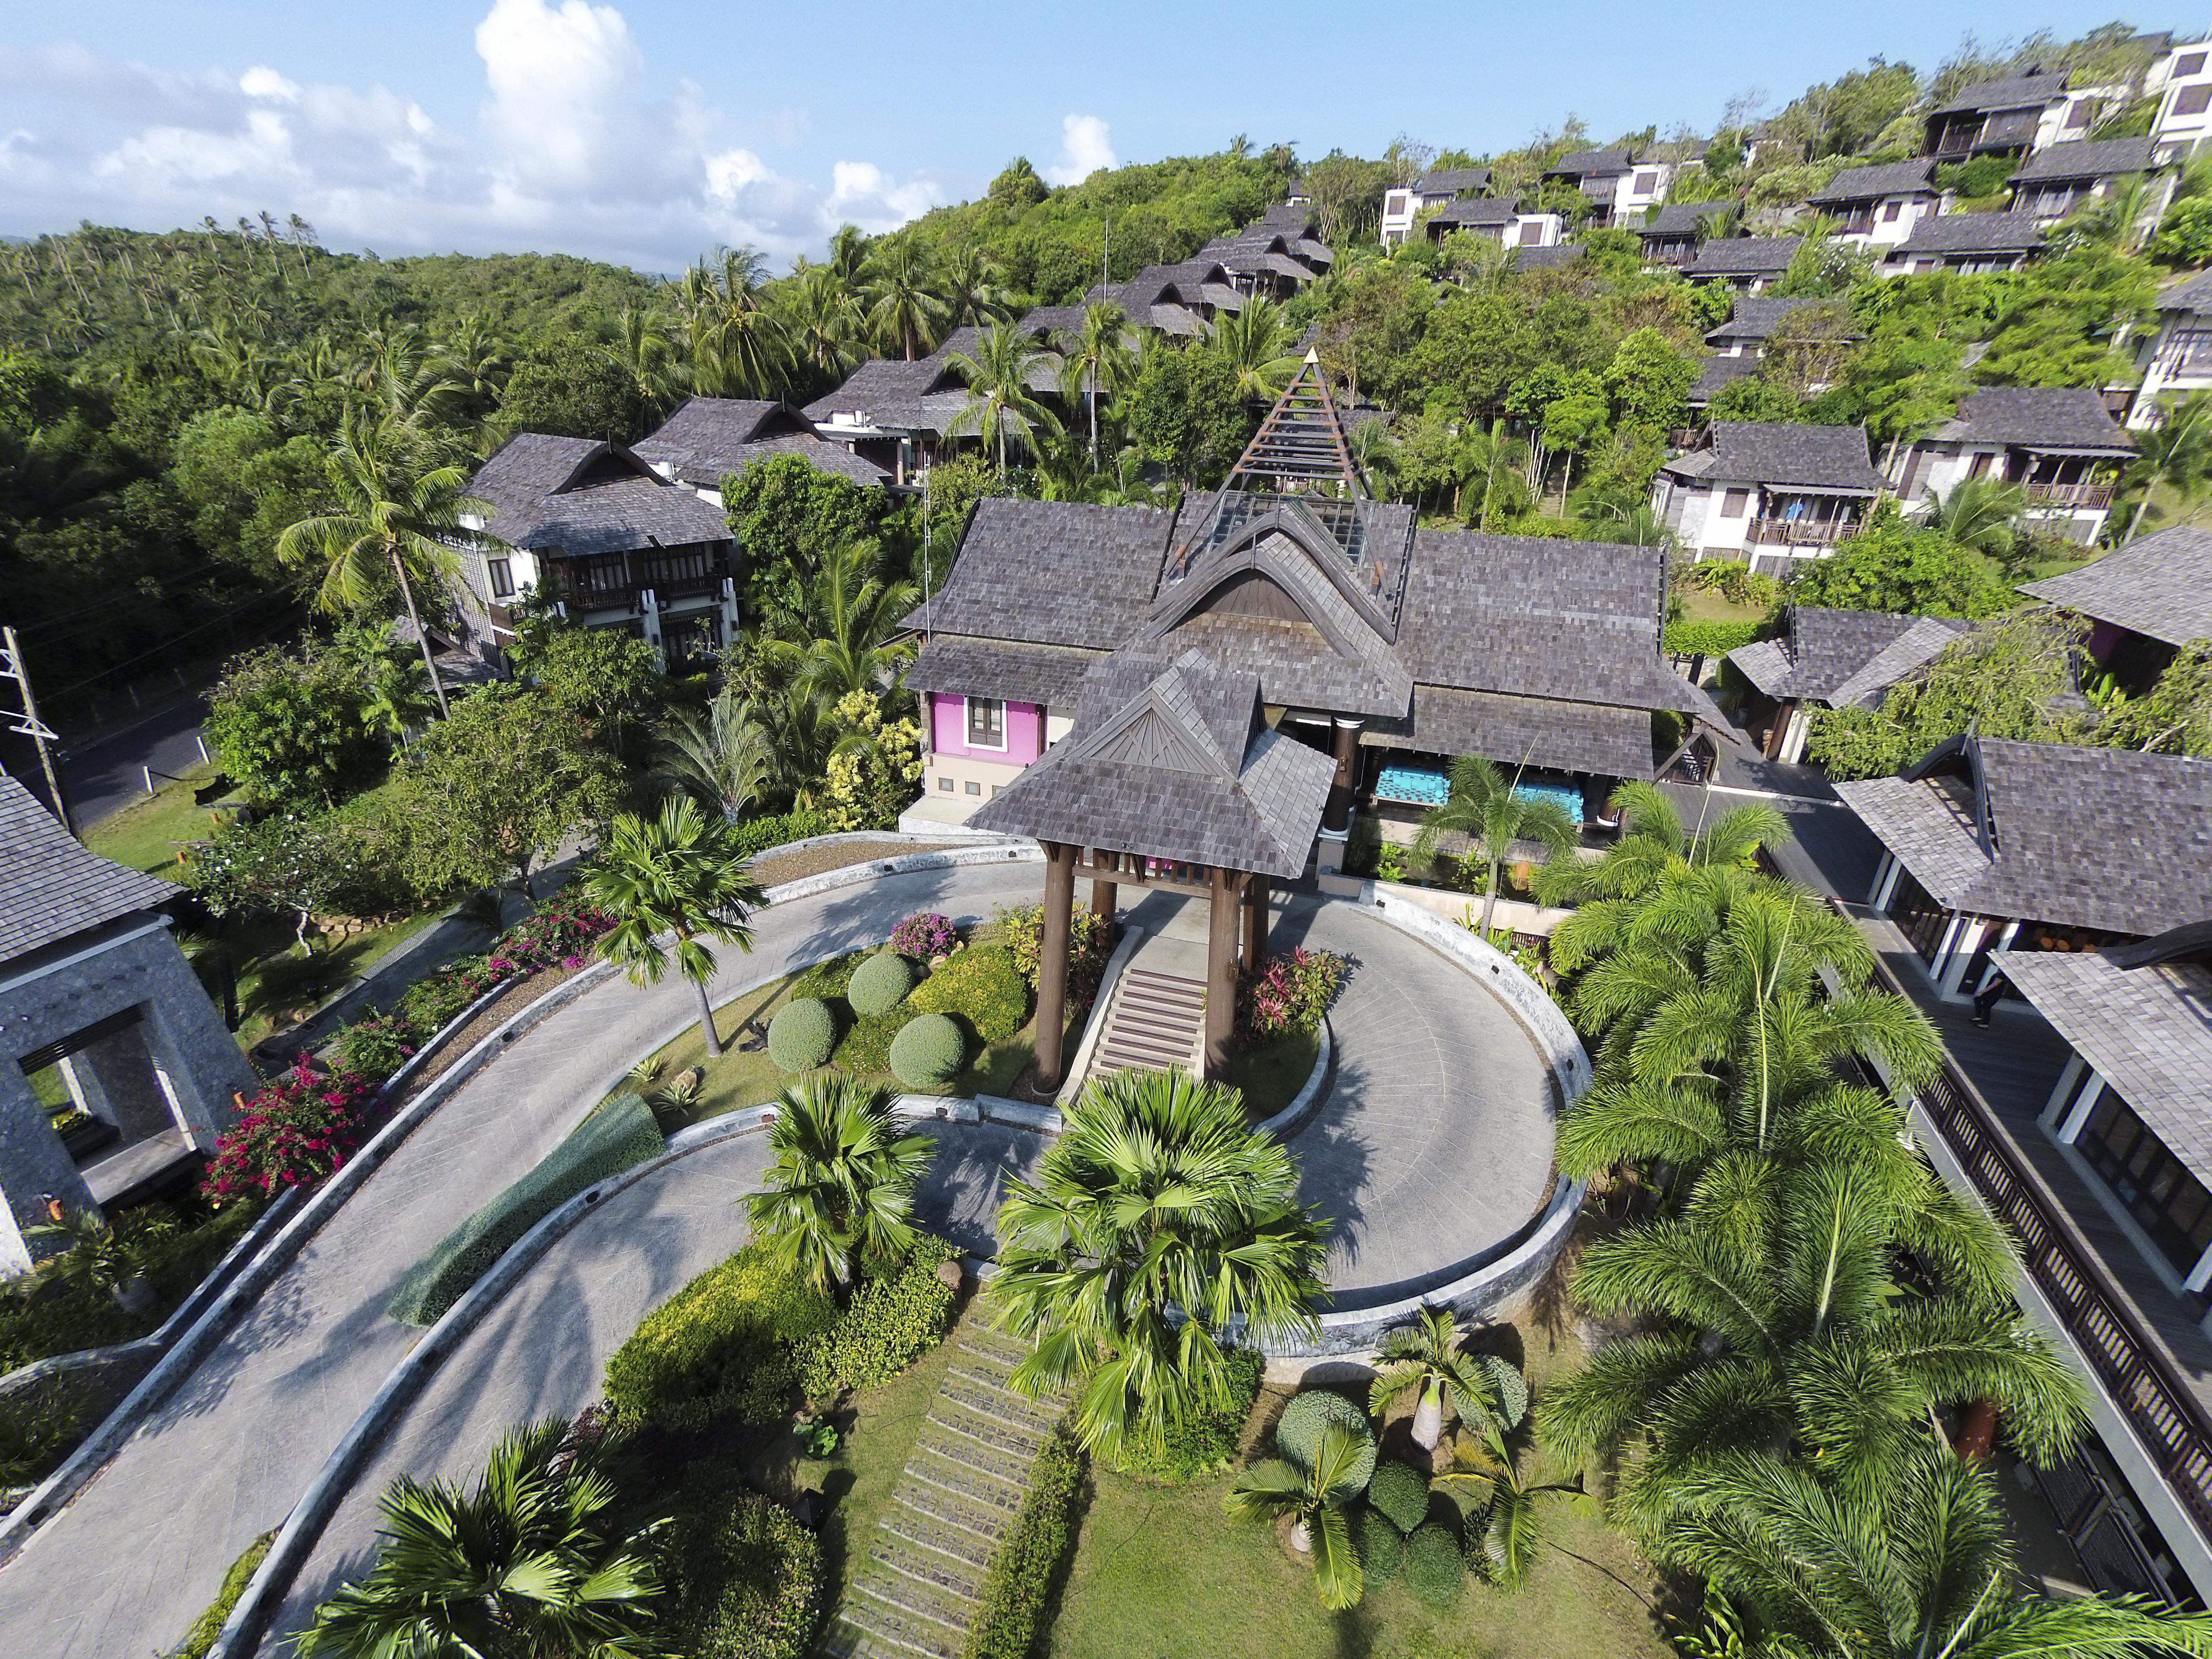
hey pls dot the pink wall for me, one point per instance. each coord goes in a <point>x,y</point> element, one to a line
<point>949,730</point>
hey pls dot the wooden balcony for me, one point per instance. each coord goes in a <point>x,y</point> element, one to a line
<point>2093,497</point>
<point>1798,532</point>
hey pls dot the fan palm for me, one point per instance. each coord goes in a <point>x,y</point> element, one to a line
<point>1979,513</point>
<point>1256,343</point>
<point>1313,1497</point>
<point>1425,1359</point>
<point>388,519</point>
<point>1156,1224</point>
<point>840,1194</point>
<point>1504,1532</point>
<point>1482,804</point>
<point>905,307</point>
<point>679,873</point>
<point>527,1560</point>
<point>722,754</point>
<point>1927,1570</point>
<point>1001,405</point>
<point>2177,451</point>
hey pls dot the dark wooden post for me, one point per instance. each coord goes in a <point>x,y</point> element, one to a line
<point>1336,813</point>
<point>1052,961</point>
<point>1255,922</point>
<point>1102,892</point>
<point>1225,891</point>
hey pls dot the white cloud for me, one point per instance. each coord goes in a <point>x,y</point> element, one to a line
<point>1085,146</point>
<point>574,148</point>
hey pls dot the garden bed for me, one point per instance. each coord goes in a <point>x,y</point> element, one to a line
<point>1272,1070</point>
<point>774,869</point>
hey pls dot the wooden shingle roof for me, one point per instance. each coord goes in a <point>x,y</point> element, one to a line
<point>2057,418</point>
<point>2159,586</point>
<point>51,888</point>
<point>1745,256</point>
<point>2102,158</point>
<point>1867,184</point>
<point>1973,233</point>
<point>1783,453</point>
<point>574,496</point>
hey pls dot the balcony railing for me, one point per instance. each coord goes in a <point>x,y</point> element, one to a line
<point>1798,532</point>
<point>2096,496</point>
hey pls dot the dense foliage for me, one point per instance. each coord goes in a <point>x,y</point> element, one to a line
<point>721,1345</point>
<point>294,1132</point>
<point>1017,1592</point>
<point>1288,994</point>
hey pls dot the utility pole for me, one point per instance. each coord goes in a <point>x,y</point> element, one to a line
<point>29,724</point>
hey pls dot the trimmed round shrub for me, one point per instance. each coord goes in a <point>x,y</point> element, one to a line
<point>1382,1545</point>
<point>879,984</point>
<point>983,985</point>
<point>801,1035</point>
<point>1400,1494</point>
<point>928,1051</point>
<point>1435,1570</point>
<point>1297,1436</point>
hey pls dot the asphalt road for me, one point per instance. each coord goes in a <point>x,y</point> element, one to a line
<point>102,778</point>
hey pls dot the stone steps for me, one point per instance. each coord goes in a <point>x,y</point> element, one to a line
<point>1156,1020</point>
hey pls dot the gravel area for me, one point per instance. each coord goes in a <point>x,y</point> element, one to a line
<point>772,869</point>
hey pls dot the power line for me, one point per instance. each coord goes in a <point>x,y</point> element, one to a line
<point>168,587</point>
<point>113,667</point>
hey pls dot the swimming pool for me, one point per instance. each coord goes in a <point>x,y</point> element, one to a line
<point>1425,786</point>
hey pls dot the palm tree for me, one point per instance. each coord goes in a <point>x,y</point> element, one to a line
<point>1927,1570</point>
<point>1488,456</point>
<point>906,307</point>
<point>1313,1496</point>
<point>1157,1224</point>
<point>2177,451</point>
<point>739,345</point>
<point>385,520</point>
<point>722,754</point>
<point>1096,360</point>
<point>1653,845</point>
<point>1503,1533</point>
<point>999,401</point>
<point>678,873</point>
<point>827,319</point>
<point>1979,513</point>
<point>973,288</point>
<point>528,1560</point>
<point>1481,803</point>
<point>644,352</point>
<point>839,1194</point>
<point>1256,343</point>
<point>1425,1359</point>
<point>857,643</point>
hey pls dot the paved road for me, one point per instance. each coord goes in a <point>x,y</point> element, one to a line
<point>122,1572</point>
<point>102,778</point>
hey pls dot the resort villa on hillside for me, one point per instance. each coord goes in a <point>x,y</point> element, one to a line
<point>1769,492</point>
<point>2059,444</point>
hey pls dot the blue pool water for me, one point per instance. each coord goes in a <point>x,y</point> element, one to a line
<point>1422,785</point>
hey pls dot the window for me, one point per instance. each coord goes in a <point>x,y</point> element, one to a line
<point>2169,1203</point>
<point>974,787</point>
<point>503,578</point>
<point>1532,233</point>
<point>2193,101</point>
<point>1645,183</point>
<point>946,784</point>
<point>1890,211</point>
<point>987,723</point>
<point>1735,503</point>
<point>2078,116</point>
<point>2189,63</point>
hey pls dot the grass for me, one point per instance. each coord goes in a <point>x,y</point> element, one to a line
<point>1271,1073</point>
<point>1701,605</point>
<point>209,1624</point>
<point>149,834</point>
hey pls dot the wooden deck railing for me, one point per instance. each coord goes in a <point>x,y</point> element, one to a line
<point>2073,495</point>
<point>1798,532</point>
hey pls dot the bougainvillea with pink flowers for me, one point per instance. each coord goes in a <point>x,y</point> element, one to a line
<point>925,937</point>
<point>1288,994</point>
<point>294,1132</point>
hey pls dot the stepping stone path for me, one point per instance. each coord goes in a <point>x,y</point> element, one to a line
<point>913,1588</point>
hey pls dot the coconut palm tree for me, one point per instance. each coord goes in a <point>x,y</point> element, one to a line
<point>1156,1224</point>
<point>1256,343</point>
<point>906,305</point>
<point>1096,360</point>
<point>1979,513</point>
<point>723,754</point>
<point>388,519</point>
<point>1313,1497</point>
<point>857,643</point>
<point>1481,803</point>
<point>529,1559</point>
<point>1927,1570</point>
<point>973,287</point>
<point>646,353</point>
<point>1000,402</point>
<point>839,1195</point>
<point>1506,1527</point>
<point>1426,1359</point>
<point>679,873</point>
<point>827,320</point>
<point>1487,459</point>
<point>2176,451</point>
<point>739,346</point>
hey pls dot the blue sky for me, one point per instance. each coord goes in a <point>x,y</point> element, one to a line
<point>648,130</point>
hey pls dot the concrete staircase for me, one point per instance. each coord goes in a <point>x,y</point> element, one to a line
<point>913,1586</point>
<point>1154,1020</point>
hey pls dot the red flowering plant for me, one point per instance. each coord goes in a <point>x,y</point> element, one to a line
<point>294,1132</point>
<point>925,937</point>
<point>1288,994</point>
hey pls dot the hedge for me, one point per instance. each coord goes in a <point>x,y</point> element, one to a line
<point>1207,1444</point>
<point>982,985</point>
<point>756,836</point>
<point>879,984</point>
<point>826,980</point>
<point>748,1582</point>
<point>619,1134</point>
<point>1013,1601</point>
<point>718,1346</point>
<point>1710,638</point>
<point>1382,1545</point>
<point>928,1051</point>
<point>801,1035</point>
<point>866,1045</point>
<point>891,1321</point>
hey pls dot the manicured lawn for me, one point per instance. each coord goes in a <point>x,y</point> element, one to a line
<point>1271,1073</point>
<point>148,835</point>
<point>1704,604</point>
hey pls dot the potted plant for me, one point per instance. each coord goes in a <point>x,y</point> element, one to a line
<point>117,1259</point>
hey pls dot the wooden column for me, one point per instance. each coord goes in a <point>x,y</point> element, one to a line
<point>1336,812</point>
<point>1102,892</point>
<point>1255,922</point>
<point>1224,900</point>
<point>1052,962</point>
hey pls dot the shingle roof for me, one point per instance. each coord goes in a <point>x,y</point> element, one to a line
<point>1051,676</point>
<point>2102,838</point>
<point>1758,316</point>
<point>1714,372</point>
<point>1973,233</point>
<point>573,495</point>
<point>51,888</point>
<point>1677,219</point>
<point>2147,1030</point>
<point>1172,760</point>
<point>1579,163</point>
<point>1830,457</point>
<point>1745,256</point>
<point>1053,572</point>
<point>1547,258</point>
<point>1864,184</point>
<point>1484,210</point>
<point>1842,657</point>
<point>1452,180</point>
<point>1567,737</point>
<point>2161,587</point>
<point>2085,159</point>
<point>710,437</point>
<point>2015,92</point>
<point>2194,295</point>
<point>2050,417</point>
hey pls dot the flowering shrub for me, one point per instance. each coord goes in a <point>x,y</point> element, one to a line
<point>1290,993</point>
<point>925,936</point>
<point>293,1133</point>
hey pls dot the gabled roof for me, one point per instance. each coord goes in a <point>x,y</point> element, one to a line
<point>1585,163</point>
<point>1452,181</point>
<point>1714,372</point>
<point>2086,158</point>
<point>1842,656</point>
<point>2015,92</point>
<point>708,438</point>
<point>1868,184</point>
<point>51,888</point>
<point>1677,219</point>
<point>2067,418</point>
<point>1484,210</point>
<point>2159,586</point>
<point>2108,839</point>
<point>573,495</point>
<point>2192,294</point>
<point>1828,458</point>
<point>1049,676</point>
<point>1973,233</point>
<point>1745,256</point>
<point>1171,759</point>
<point>1760,316</point>
<point>1052,573</point>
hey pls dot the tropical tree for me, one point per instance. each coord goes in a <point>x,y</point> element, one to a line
<point>1482,804</point>
<point>1256,343</point>
<point>643,349</point>
<point>827,320</point>
<point>679,873</point>
<point>1157,1227</point>
<point>723,754</point>
<point>1098,360</point>
<point>1000,402</point>
<point>740,346</point>
<point>1426,1359</point>
<point>2177,451</point>
<point>1506,1525</point>
<point>1979,513</point>
<point>839,1196</point>
<point>1313,1496</point>
<point>906,307</point>
<point>1653,845</point>
<point>388,519</point>
<point>529,1559</point>
<point>857,643</point>
<point>973,288</point>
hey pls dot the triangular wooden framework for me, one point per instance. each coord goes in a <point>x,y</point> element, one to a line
<point>1302,438</point>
